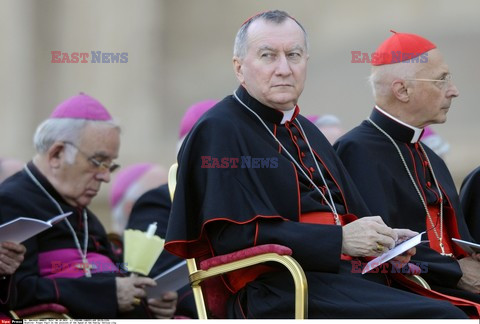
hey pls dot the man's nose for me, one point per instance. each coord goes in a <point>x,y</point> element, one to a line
<point>103,176</point>
<point>452,91</point>
<point>283,65</point>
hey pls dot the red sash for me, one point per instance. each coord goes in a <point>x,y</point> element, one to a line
<point>450,230</point>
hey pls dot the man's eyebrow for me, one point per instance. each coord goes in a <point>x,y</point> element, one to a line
<point>266,48</point>
<point>298,48</point>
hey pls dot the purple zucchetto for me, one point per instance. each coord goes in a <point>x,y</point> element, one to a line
<point>124,179</point>
<point>193,113</point>
<point>81,106</point>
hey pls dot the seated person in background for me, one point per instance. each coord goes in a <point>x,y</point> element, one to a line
<point>470,200</point>
<point>9,167</point>
<point>304,199</point>
<point>72,263</point>
<point>154,206</point>
<point>403,180</point>
<point>329,125</point>
<point>129,184</point>
<point>435,142</point>
<point>11,256</point>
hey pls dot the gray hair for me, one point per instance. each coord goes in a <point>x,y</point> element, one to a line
<point>65,130</point>
<point>275,16</point>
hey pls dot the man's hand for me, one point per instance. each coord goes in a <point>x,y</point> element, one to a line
<point>404,234</point>
<point>367,236</point>
<point>130,290</point>
<point>11,256</point>
<point>165,306</point>
<point>470,280</point>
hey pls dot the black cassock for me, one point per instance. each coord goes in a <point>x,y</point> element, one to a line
<point>154,206</point>
<point>49,272</point>
<point>7,293</point>
<point>254,195</point>
<point>377,169</point>
<point>470,199</point>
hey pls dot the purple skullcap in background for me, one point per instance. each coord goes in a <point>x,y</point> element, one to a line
<point>124,179</point>
<point>81,106</point>
<point>193,113</point>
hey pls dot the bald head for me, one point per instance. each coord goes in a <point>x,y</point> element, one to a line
<point>418,94</point>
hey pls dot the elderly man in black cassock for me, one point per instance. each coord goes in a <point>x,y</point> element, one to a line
<point>254,171</point>
<point>72,263</point>
<point>403,180</point>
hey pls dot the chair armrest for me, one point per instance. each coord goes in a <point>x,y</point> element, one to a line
<point>50,310</point>
<point>243,254</point>
<point>245,258</point>
<point>413,274</point>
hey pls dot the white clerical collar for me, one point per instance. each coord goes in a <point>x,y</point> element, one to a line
<point>287,115</point>
<point>417,132</point>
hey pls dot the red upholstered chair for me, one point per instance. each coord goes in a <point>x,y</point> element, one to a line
<point>42,311</point>
<point>205,274</point>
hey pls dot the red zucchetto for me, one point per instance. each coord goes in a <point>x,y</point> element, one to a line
<point>401,47</point>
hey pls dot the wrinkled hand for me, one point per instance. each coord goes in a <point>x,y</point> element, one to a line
<point>470,280</point>
<point>11,256</point>
<point>165,306</point>
<point>404,234</point>
<point>129,289</point>
<point>363,236</point>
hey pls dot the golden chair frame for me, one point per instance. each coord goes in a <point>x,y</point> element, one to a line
<point>197,275</point>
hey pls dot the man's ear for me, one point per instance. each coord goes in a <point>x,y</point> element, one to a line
<point>400,90</point>
<point>237,68</point>
<point>56,154</point>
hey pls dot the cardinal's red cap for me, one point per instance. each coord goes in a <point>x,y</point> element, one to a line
<point>401,47</point>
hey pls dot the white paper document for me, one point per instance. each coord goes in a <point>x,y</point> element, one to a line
<point>23,228</point>
<point>390,254</point>
<point>468,247</point>
<point>170,280</point>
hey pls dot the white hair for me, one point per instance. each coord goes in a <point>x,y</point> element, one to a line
<point>275,16</point>
<point>63,129</point>
<point>382,76</point>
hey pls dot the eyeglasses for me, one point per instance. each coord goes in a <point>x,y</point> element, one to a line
<point>102,166</point>
<point>446,80</point>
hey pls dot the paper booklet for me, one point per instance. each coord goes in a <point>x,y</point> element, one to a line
<point>468,247</point>
<point>171,279</point>
<point>397,250</point>
<point>23,228</point>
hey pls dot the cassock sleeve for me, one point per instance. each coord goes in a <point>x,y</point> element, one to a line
<point>315,247</point>
<point>469,197</point>
<point>369,176</point>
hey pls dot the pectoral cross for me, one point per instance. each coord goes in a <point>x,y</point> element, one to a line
<point>85,266</point>
<point>443,251</point>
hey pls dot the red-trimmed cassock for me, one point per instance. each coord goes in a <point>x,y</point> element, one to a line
<point>255,195</point>
<point>380,175</point>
